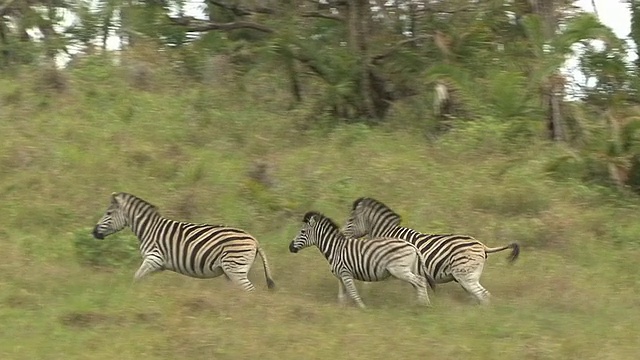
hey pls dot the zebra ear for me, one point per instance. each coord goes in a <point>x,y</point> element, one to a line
<point>310,217</point>
<point>357,202</point>
<point>114,198</point>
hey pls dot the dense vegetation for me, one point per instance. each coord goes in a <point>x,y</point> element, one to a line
<point>253,124</point>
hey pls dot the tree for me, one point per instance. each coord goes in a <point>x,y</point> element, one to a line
<point>17,18</point>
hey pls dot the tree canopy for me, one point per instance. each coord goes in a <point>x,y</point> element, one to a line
<point>450,61</point>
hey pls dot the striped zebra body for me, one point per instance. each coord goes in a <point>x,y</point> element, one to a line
<point>449,257</point>
<point>195,250</point>
<point>371,260</point>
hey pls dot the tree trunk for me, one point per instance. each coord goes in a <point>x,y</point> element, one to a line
<point>49,34</point>
<point>6,55</point>
<point>126,22</point>
<point>554,121</point>
<point>106,27</point>
<point>553,92</point>
<point>359,17</point>
<point>295,82</point>
<point>635,28</point>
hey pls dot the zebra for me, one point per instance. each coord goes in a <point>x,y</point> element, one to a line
<point>195,250</point>
<point>448,257</point>
<point>371,260</point>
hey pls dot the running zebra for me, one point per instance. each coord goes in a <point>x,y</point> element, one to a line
<point>371,260</point>
<point>447,258</point>
<point>196,250</point>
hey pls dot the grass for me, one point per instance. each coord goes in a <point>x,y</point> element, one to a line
<point>191,151</point>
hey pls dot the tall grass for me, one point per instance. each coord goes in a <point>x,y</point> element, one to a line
<point>192,150</point>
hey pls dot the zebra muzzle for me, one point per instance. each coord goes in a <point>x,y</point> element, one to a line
<point>292,248</point>
<point>97,234</point>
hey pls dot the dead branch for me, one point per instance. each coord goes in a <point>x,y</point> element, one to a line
<point>398,46</point>
<point>434,10</point>
<point>308,61</point>
<point>5,6</point>
<point>328,4</point>
<point>595,9</point>
<point>191,24</point>
<point>317,14</point>
<point>234,8</point>
<point>241,11</point>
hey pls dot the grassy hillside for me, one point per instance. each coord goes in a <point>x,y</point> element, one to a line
<point>196,151</point>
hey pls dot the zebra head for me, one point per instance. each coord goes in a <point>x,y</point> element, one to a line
<point>113,220</point>
<point>367,213</point>
<point>315,227</point>
<point>305,236</point>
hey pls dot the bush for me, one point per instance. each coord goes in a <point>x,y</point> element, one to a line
<point>512,200</point>
<point>624,234</point>
<point>114,251</point>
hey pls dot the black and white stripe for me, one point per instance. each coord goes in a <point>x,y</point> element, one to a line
<point>450,257</point>
<point>196,250</point>
<point>370,260</point>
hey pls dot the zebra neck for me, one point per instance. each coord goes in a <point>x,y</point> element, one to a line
<point>330,244</point>
<point>142,224</point>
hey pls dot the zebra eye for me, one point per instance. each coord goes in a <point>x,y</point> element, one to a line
<point>109,213</point>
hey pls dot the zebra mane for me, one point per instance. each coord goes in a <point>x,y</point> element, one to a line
<point>321,217</point>
<point>377,206</point>
<point>132,199</point>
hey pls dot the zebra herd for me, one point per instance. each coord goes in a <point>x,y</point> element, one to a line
<point>208,251</point>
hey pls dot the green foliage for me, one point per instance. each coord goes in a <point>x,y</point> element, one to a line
<point>609,69</point>
<point>625,235</point>
<point>16,52</point>
<point>113,251</point>
<point>507,94</point>
<point>497,63</point>
<point>88,26</point>
<point>572,166</point>
<point>630,137</point>
<point>491,135</point>
<point>521,199</point>
<point>634,7</point>
<point>584,27</point>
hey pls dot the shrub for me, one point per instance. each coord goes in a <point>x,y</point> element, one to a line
<point>115,251</point>
<point>512,200</point>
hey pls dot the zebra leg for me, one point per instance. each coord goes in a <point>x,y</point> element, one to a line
<point>342,293</point>
<point>148,266</point>
<point>418,282</point>
<point>421,291</point>
<point>238,275</point>
<point>470,281</point>
<point>349,285</point>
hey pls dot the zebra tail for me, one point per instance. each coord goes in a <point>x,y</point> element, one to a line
<point>267,271</point>
<point>515,250</point>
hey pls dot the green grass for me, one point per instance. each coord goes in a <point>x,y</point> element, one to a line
<point>190,151</point>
